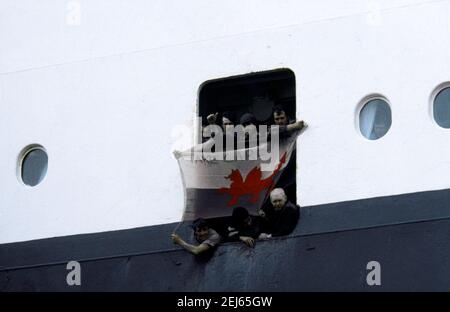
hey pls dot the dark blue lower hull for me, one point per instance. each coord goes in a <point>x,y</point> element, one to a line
<point>329,251</point>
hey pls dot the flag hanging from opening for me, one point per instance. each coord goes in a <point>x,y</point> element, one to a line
<point>212,188</point>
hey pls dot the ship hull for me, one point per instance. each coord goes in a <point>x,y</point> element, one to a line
<point>408,236</point>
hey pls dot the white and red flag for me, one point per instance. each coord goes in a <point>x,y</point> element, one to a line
<point>214,187</point>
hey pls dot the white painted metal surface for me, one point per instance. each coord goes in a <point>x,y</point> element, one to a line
<point>104,85</point>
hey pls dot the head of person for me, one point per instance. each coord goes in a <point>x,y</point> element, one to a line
<point>279,116</point>
<point>226,122</point>
<point>247,119</point>
<point>226,119</point>
<point>201,229</point>
<point>240,217</point>
<point>278,199</point>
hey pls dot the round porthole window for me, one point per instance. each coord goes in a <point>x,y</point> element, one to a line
<point>375,118</point>
<point>33,165</point>
<point>441,108</point>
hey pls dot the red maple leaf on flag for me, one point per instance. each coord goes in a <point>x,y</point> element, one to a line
<point>252,185</point>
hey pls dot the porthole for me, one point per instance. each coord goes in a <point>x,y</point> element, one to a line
<point>33,164</point>
<point>441,106</point>
<point>375,118</point>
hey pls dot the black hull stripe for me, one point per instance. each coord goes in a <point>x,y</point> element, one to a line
<point>386,228</point>
<point>359,214</point>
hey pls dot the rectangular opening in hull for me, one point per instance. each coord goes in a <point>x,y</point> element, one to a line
<point>242,100</point>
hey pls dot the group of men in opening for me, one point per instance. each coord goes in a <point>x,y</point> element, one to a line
<point>280,119</point>
<point>278,218</point>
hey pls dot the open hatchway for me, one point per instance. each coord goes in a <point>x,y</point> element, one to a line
<point>231,99</point>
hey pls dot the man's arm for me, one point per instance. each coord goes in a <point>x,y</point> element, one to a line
<point>233,234</point>
<point>191,248</point>
<point>299,125</point>
<point>212,118</point>
<point>296,126</point>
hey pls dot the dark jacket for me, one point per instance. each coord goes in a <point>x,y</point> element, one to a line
<point>284,221</point>
<point>253,230</point>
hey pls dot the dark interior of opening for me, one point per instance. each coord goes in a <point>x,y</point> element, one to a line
<point>255,93</point>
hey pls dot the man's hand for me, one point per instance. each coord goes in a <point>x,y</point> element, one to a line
<point>212,118</point>
<point>250,242</point>
<point>261,213</point>
<point>305,125</point>
<point>299,125</point>
<point>264,236</point>
<point>177,154</point>
<point>176,238</point>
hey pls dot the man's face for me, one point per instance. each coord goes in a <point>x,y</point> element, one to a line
<point>280,118</point>
<point>201,233</point>
<point>278,201</point>
<point>226,122</point>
